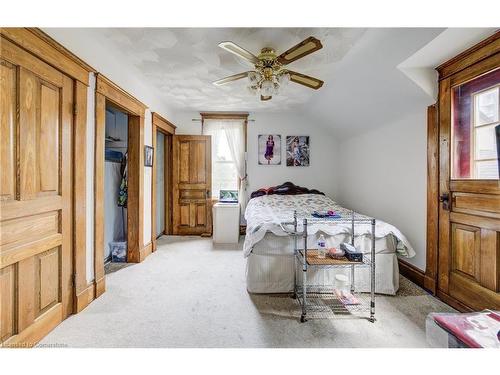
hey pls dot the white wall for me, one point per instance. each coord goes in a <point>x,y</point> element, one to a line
<point>383,173</point>
<point>186,125</point>
<point>319,175</point>
<point>323,157</point>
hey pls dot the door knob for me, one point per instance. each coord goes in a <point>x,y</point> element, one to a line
<point>445,200</point>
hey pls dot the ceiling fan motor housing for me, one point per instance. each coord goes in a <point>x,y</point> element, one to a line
<point>268,62</point>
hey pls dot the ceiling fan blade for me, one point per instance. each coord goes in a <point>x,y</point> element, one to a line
<point>308,81</point>
<point>265,98</point>
<point>232,78</point>
<point>302,49</point>
<point>239,51</point>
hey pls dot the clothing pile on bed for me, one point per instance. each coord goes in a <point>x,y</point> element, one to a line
<point>287,188</point>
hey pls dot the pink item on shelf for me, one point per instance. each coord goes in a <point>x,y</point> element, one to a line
<point>346,298</point>
<point>334,252</point>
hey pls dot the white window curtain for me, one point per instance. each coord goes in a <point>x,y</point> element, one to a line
<point>234,131</point>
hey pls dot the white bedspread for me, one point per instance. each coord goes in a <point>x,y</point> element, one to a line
<point>264,214</point>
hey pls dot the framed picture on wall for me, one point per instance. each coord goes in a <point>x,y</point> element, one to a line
<point>297,150</point>
<point>269,152</point>
<point>148,156</point>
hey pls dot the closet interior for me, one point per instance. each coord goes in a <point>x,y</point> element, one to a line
<point>115,186</point>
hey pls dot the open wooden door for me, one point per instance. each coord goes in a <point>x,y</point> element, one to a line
<point>36,266</point>
<point>192,182</point>
<point>469,189</point>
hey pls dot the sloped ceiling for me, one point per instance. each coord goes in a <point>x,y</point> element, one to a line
<point>367,90</point>
<point>364,88</point>
<point>420,67</point>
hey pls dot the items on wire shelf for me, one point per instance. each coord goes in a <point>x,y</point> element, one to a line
<point>340,299</point>
<point>327,215</point>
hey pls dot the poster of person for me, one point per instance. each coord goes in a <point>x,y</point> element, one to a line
<point>269,149</point>
<point>297,151</point>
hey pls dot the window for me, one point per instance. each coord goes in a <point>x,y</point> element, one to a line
<point>476,113</point>
<point>225,174</point>
<point>485,119</point>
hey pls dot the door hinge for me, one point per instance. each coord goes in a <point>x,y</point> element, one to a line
<point>75,109</point>
<point>73,279</point>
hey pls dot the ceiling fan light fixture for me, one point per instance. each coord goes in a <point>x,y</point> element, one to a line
<point>283,79</point>
<point>253,90</point>
<point>277,88</point>
<point>267,88</point>
<point>254,78</point>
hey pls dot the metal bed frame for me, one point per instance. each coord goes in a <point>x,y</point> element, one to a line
<point>300,257</point>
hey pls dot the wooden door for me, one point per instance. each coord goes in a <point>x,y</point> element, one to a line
<point>36,110</point>
<point>469,213</point>
<point>192,181</point>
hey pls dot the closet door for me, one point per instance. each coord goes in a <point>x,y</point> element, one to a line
<point>192,183</point>
<point>36,110</point>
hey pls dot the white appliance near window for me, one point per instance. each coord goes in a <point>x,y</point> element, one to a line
<point>226,220</point>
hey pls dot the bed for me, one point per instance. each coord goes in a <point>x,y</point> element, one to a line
<point>269,250</point>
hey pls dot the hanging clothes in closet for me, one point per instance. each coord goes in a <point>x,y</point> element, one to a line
<point>123,193</point>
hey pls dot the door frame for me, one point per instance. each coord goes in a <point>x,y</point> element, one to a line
<point>467,65</point>
<point>36,43</point>
<point>109,93</point>
<point>432,230</point>
<point>168,129</point>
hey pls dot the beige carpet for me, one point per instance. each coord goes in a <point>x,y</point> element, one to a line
<point>190,294</point>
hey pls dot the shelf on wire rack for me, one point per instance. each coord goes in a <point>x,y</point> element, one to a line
<point>325,304</point>
<point>314,260</point>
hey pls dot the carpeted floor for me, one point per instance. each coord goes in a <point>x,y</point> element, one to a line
<point>190,294</point>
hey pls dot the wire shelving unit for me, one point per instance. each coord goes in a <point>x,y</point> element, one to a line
<point>320,300</point>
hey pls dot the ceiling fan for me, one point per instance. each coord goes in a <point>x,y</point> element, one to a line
<point>270,73</point>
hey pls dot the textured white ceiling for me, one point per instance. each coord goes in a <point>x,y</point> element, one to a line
<point>172,69</point>
<point>182,63</point>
